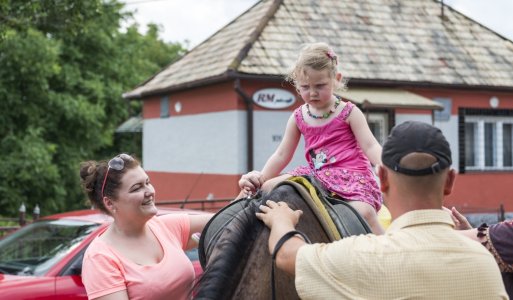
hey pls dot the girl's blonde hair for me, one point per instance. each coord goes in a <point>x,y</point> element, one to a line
<point>317,56</point>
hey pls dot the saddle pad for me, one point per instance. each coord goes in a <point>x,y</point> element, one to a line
<point>318,205</point>
<point>341,218</point>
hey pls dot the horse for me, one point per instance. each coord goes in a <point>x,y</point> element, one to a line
<point>233,248</point>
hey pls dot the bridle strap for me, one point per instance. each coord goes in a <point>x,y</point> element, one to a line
<point>280,243</point>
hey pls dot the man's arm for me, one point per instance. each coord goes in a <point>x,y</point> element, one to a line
<point>281,219</point>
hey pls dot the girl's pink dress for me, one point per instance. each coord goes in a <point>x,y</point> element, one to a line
<point>335,159</point>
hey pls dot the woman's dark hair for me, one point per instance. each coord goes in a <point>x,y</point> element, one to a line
<point>92,176</point>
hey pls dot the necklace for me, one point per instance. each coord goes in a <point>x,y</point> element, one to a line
<point>326,114</point>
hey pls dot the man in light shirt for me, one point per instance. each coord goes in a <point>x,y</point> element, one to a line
<point>420,256</point>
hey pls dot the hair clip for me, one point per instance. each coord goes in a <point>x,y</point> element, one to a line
<point>331,55</point>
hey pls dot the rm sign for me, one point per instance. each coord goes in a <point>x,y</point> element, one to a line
<point>274,98</point>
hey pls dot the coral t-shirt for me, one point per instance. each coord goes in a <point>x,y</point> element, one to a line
<point>106,271</point>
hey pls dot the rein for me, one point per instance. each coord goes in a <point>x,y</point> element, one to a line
<point>280,243</point>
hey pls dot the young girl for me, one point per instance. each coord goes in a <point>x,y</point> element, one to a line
<point>338,140</point>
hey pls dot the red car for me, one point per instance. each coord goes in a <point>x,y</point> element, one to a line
<point>43,260</point>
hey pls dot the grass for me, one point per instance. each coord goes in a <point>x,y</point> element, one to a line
<point>8,221</point>
<point>6,225</point>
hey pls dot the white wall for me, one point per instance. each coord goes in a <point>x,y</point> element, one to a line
<point>215,143</point>
<point>208,143</point>
<point>269,127</point>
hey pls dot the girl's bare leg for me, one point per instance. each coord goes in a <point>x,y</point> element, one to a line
<point>369,214</point>
<point>271,183</point>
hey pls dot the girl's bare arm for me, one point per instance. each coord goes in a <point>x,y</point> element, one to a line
<point>285,151</point>
<point>370,146</point>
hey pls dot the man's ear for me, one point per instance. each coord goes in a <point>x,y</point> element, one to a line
<point>383,178</point>
<point>449,182</point>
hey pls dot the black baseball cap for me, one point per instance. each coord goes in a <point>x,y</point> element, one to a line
<point>413,136</point>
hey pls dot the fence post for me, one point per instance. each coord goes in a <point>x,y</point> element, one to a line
<point>502,215</point>
<point>22,212</point>
<point>36,213</point>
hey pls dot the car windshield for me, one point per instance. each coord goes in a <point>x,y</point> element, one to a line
<point>35,248</point>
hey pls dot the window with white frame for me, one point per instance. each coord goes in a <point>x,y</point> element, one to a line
<point>488,143</point>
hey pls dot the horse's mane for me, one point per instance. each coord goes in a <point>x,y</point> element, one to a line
<point>237,237</point>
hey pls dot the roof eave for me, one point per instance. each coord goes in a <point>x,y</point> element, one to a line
<point>183,86</point>
<point>228,75</point>
<point>422,84</point>
<point>354,82</point>
<point>368,105</point>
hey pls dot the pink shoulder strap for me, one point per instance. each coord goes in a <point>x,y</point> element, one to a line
<point>346,110</point>
<point>299,116</point>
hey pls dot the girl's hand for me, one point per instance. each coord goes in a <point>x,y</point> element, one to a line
<point>251,182</point>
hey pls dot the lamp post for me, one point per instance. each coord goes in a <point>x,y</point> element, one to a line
<point>22,212</point>
<point>36,213</point>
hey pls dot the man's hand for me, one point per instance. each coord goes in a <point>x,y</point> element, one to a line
<point>281,219</point>
<point>279,214</point>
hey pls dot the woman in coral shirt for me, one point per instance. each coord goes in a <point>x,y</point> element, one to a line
<point>140,255</point>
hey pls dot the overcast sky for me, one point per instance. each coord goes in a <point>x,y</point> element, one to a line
<point>196,20</point>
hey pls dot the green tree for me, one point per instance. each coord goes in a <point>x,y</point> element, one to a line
<point>64,66</point>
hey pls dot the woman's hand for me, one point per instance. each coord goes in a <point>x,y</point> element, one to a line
<point>197,224</point>
<point>460,222</point>
<point>251,182</point>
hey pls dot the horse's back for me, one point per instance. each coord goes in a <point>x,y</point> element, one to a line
<point>235,246</point>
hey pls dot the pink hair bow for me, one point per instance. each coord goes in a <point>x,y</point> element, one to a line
<point>331,55</point>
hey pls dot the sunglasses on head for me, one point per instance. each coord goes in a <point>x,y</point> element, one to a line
<point>117,163</point>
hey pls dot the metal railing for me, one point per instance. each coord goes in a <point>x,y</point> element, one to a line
<point>212,205</point>
<point>478,215</point>
<point>21,220</point>
<point>494,215</point>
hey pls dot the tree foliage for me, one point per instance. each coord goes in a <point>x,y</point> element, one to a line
<point>64,66</point>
